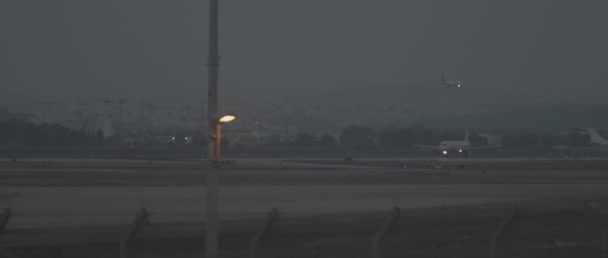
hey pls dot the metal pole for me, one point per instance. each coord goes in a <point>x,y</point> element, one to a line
<point>255,241</point>
<point>504,223</point>
<point>393,216</point>
<point>212,223</point>
<point>140,219</point>
<point>218,144</point>
<point>6,215</point>
<point>605,244</point>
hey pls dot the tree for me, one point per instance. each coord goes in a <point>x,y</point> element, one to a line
<point>358,137</point>
<point>18,132</point>
<point>304,140</point>
<point>99,137</point>
<point>391,138</point>
<point>328,142</point>
<point>546,141</point>
<point>521,141</point>
<point>404,137</point>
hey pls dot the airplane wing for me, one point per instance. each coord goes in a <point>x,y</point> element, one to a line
<point>425,146</point>
<point>485,147</point>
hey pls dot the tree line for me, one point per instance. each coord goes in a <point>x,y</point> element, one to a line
<point>17,132</point>
<point>391,138</point>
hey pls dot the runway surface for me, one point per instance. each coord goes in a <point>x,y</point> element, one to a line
<point>74,192</point>
<point>74,206</point>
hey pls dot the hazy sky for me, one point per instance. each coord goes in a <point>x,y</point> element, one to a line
<point>158,47</point>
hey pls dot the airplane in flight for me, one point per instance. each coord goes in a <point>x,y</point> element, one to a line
<point>455,84</point>
<point>461,147</point>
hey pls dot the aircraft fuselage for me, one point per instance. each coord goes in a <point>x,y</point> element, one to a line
<point>454,147</point>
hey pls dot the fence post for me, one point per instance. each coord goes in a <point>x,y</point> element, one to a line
<point>141,218</point>
<point>392,217</point>
<point>6,215</point>
<point>605,243</point>
<point>255,240</point>
<point>504,223</point>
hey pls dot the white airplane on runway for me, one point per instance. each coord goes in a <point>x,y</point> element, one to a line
<point>455,84</point>
<point>596,138</point>
<point>597,143</point>
<point>462,147</point>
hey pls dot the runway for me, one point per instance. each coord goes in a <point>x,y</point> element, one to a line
<point>78,192</point>
<point>77,206</point>
<point>100,166</point>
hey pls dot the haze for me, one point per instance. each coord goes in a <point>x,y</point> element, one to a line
<point>551,50</point>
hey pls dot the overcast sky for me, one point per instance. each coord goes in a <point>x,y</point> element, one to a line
<point>158,48</point>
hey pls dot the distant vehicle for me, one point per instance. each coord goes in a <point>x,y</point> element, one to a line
<point>460,147</point>
<point>596,139</point>
<point>455,84</point>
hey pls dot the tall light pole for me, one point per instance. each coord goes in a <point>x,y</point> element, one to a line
<point>212,223</point>
<point>215,137</point>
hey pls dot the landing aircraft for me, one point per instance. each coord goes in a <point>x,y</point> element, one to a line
<point>455,84</point>
<point>461,147</point>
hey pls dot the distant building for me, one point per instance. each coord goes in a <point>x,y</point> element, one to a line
<point>240,136</point>
<point>291,132</point>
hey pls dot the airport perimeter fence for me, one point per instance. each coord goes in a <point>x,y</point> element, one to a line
<point>396,234</point>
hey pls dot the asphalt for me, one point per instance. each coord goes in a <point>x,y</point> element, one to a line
<point>80,195</point>
<point>77,206</point>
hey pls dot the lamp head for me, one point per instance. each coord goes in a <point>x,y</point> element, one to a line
<point>221,119</point>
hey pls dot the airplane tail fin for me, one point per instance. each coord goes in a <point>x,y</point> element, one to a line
<point>442,78</point>
<point>595,137</point>
<point>466,136</point>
